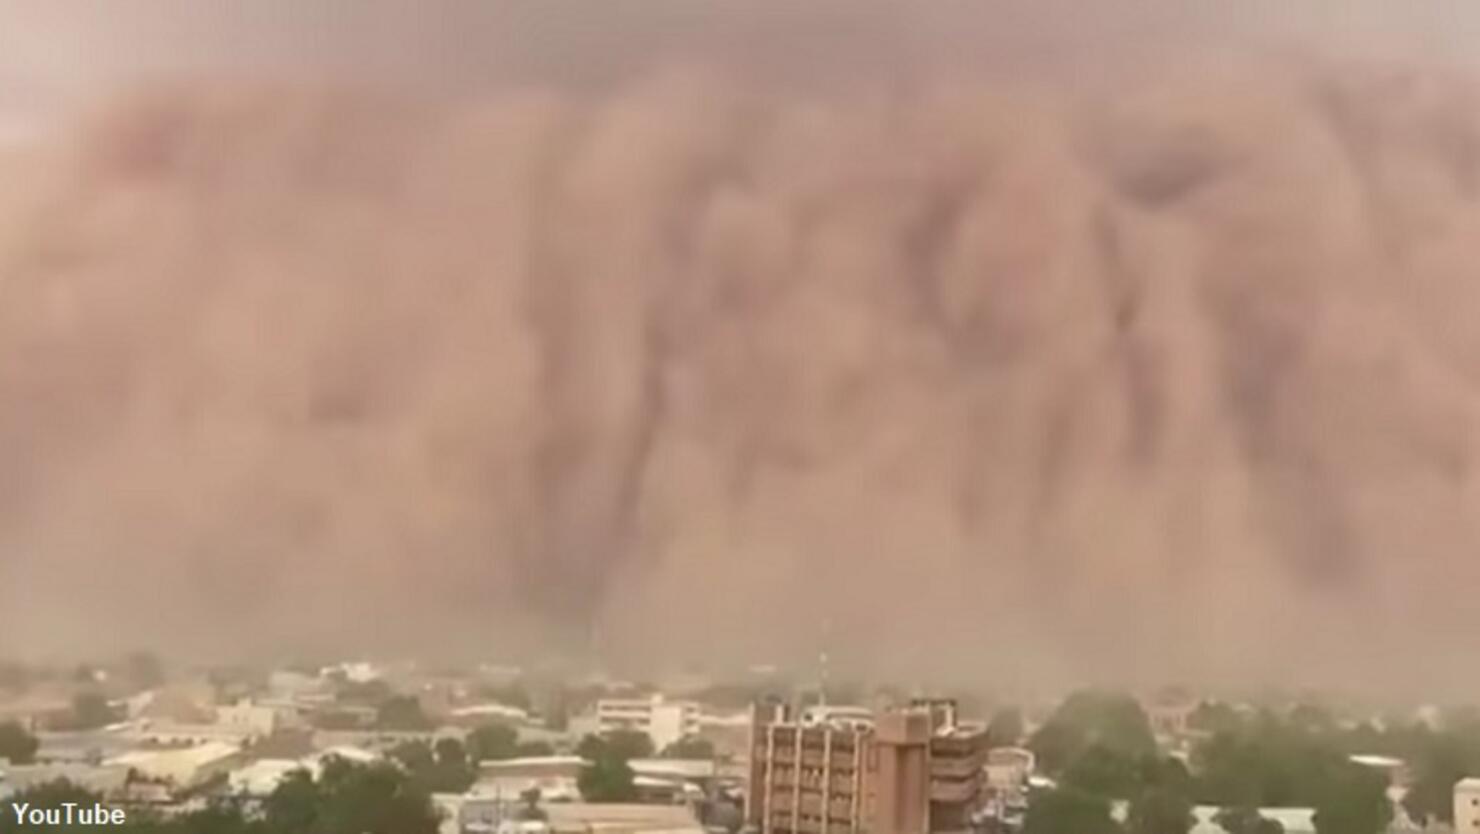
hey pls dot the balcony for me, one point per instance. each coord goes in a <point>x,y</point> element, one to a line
<point>951,791</point>
<point>961,768</point>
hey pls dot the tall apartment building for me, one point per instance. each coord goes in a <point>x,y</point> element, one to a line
<point>661,720</point>
<point>916,771</point>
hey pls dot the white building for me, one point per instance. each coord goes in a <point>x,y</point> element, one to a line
<point>582,818</point>
<point>258,721</point>
<point>1009,768</point>
<point>476,714</point>
<point>555,777</point>
<point>1467,806</point>
<point>259,779</point>
<point>661,720</point>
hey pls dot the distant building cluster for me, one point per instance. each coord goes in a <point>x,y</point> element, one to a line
<point>788,763</point>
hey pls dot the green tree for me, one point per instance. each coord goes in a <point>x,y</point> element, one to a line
<point>1104,772</point>
<point>622,744</point>
<point>689,747</point>
<point>1006,728</point>
<point>1160,810</point>
<point>1437,768</point>
<point>294,806</point>
<point>443,768</point>
<point>1067,811</point>
<point>1313,717</point>
<point>16,745</point>
<point>1055,747</point>
<point>413,755</point>
<point>370,799</point>
<point>607,779</point>
<point>1271,763</point>
<point>1354,803</point>
<point>493,742</point>
<point>1215,717</point>
<point>91,710</point>
<point>402,712</point>
<point>1090,717</point>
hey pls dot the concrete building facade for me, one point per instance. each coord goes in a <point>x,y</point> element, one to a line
<point>915,771</point>
<point>1467,806</point>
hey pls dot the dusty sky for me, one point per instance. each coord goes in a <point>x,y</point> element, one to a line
<point>1055,344</point>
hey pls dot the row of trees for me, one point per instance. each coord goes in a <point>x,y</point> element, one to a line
<point>1101,750</point>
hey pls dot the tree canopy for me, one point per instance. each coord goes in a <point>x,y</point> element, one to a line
<point>1069,811</point>
<point>689,747</point>
<point>16,745</point>
<point>91,710</point>
<point>1087,718</point>
<point>1006,727</point>
<point>1160,810</point>
<point>608,777</point>
<point>401,712</point>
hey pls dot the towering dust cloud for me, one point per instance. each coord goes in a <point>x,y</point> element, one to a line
<point>1173,375</point>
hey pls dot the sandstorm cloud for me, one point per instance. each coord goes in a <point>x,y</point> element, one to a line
<point>989,367</point>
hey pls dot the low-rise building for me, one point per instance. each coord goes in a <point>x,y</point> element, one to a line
<point>1467,806</point>
<point>258,779</point>
<point>673,781</point>
<point>174,734</point>
<point>1008,769</point>
<point>584,818</point>
<point>473,715</point>
<point>184,767</point>
<point>555,777</point>
<point>87,747</point>
<point>381,741</point>
<point>256,720</point>
<point>661,720</point>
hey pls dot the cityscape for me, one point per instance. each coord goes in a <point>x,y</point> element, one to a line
<point>395,747</point>
<point>739,417</point>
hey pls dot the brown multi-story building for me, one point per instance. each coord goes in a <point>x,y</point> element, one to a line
<point>916,771</point>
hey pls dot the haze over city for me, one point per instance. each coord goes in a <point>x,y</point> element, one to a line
<point>1054,345</point>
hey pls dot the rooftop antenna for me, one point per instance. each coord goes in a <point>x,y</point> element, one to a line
<point>822,662</point>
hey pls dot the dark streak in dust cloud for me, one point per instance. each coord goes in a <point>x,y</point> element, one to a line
<point>680,359</point>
